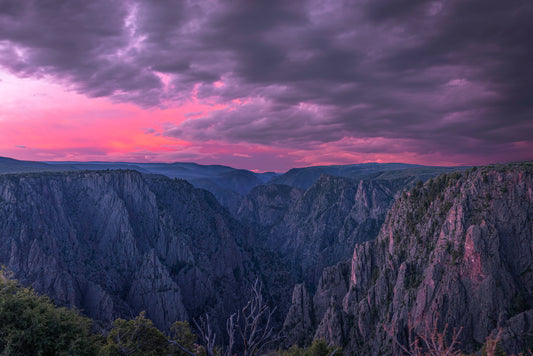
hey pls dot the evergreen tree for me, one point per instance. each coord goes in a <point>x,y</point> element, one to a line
<point>31,324</point>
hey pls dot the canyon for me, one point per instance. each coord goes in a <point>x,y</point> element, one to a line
<point>355,258</point>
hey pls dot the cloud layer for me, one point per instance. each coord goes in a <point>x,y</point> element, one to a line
<point>451,78</point>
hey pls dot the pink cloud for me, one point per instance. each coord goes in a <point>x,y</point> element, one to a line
<point>42,120</point>
<point>55,123</point>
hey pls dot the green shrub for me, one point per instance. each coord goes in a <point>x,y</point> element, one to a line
<point>317,348</point>
<point>135,337</point>
<point>31,324</point>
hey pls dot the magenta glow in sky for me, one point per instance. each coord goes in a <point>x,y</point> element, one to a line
<point>267,85</point>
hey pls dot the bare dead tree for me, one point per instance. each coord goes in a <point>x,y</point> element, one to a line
<point>491,343</point>
<point>436,341</point>
<point>175,343</point>
<point>230,329</point>
<point>207,335</point>
<point>413,348</point>
<point>255,319</point>
<point>433,342</point>
<point>252,322</point>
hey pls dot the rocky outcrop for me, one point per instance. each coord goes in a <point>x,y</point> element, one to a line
<point>115,243</point>
<point>318,227</point>
<point>297,233</point>
<point>456,251</point>
<point>266,205</point>
<point>316,316</point>
<point>332,326</point>
<point>517,332</point>
<point>154,291</point>
<point>299,323</point>
<point>332,287</point>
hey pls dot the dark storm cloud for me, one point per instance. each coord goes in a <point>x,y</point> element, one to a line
<point>261,122</point>
<point>83,43</point>
<point>452,76</point>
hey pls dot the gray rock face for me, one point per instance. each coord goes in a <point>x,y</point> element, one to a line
<point>330,218</point>
<point>298,233</point>
<point>520,325</point>
<point>458,250</point>
<point>154,291</point>
<point>332,326</point>
<point>266,205</point>
<point>318,227</point>
<point>320,316</point>
<point>332,287</point>
<point>299,323</point>
<point>115,243</point>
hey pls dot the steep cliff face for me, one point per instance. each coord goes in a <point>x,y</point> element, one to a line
<point>318,227</point>
<point>114,243</point>
<point>458,250</point>
<point>266,205</point>
<point>299,322</point>
<point>296,233</point>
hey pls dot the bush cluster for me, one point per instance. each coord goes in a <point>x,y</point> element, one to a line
<point>31,324</point>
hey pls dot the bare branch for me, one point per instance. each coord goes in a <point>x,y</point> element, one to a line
<point>492,343</point>
<point>181,348</point>
<point>254,322</point>
<point>391,332</point>
<point>434,341</point>
<point>206,334</point>
<point>230,329</point>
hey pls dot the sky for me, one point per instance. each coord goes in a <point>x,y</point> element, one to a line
<point>267,85</point>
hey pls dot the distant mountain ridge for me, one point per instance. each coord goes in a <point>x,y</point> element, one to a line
<point>10,165</point>
<point>230,185</point>
<point>304,178</point>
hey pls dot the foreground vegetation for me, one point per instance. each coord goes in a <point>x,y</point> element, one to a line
<point>30,324</point>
